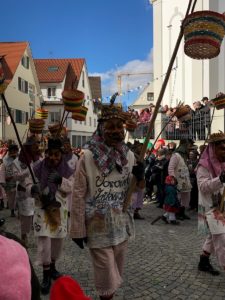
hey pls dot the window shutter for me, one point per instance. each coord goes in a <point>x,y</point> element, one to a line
<point>19,84</point>
<point>28,62</point>
<point>26,87</point>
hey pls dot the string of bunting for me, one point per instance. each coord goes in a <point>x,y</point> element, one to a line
<point>138,88</point>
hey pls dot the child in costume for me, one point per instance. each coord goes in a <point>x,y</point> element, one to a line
<point>171,202</point>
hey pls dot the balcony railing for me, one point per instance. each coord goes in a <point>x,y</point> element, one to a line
<point>197,128</point>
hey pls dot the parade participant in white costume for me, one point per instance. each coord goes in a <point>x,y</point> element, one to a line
<point>50,215</point>
<point>211,179</point>
<point>101,182</point>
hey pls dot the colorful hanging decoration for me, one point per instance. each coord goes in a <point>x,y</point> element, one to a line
<point>203,34</point>
<point>219,101</point>
<point>72,99</point>
<point>41,113</point>
<point>80,113</point>
<point>36,125</point>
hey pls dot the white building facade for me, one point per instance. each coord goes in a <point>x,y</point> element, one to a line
<point>23,92</point>
<point>52,86</point>
<point>190,79</point>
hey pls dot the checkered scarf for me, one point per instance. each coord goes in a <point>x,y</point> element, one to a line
<point>107,158</point>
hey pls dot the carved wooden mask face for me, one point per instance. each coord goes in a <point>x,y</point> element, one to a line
<point>113,132</point>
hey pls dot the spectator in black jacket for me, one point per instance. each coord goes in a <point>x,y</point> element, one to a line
<point>159,173</point>
<point>197,115</point>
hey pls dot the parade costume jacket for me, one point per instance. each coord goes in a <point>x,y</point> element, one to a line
<point>210,192</point>
<point>179,170</point>
<point>98,201</point>
<point>52,223</point>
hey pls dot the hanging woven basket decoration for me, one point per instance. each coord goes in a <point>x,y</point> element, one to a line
<point>130,125</point>
<point>219,101</point>
<point>41,113</point>
<point>203,34</point>
<point>80,113</point>
<point>72,99</point>
<point>36,125</point>
<point>54,128</point>
<point>183,113</point>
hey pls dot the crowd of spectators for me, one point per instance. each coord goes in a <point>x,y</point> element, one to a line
<point>196,128</point>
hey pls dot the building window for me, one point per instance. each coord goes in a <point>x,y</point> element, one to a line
<point>51,92</point>
<point>79,143</point>
<point>19,117</point>
<point>22,85</point>
<point>53,69</point>
<point>89,121</point>
<point>83,140</point>
<point>150,96</point>
<point>54,117</point>
<point>31,91</point>
<point>94,122</point>
<point>24,117</point>
<point>25,61</point>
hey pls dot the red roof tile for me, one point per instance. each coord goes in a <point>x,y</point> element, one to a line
<point>54,70</point>
<point>12,53</point>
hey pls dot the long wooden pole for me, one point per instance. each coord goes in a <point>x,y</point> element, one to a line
<point>18,137</point>
<point>160,97</point>
<point>170,118</point>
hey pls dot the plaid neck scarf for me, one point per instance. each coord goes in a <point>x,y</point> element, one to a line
<point>107,158</point>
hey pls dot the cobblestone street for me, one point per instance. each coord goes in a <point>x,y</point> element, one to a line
<point>161,262</point>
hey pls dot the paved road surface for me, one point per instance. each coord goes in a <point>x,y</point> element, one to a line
<point>161,263</point>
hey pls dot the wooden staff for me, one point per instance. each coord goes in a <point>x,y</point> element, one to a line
<point>18,137</point>
<point>62,122</point>
<point>160,97</point>
<point>170,118</point>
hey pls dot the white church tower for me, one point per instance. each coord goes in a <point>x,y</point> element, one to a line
<point>190,79</point>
